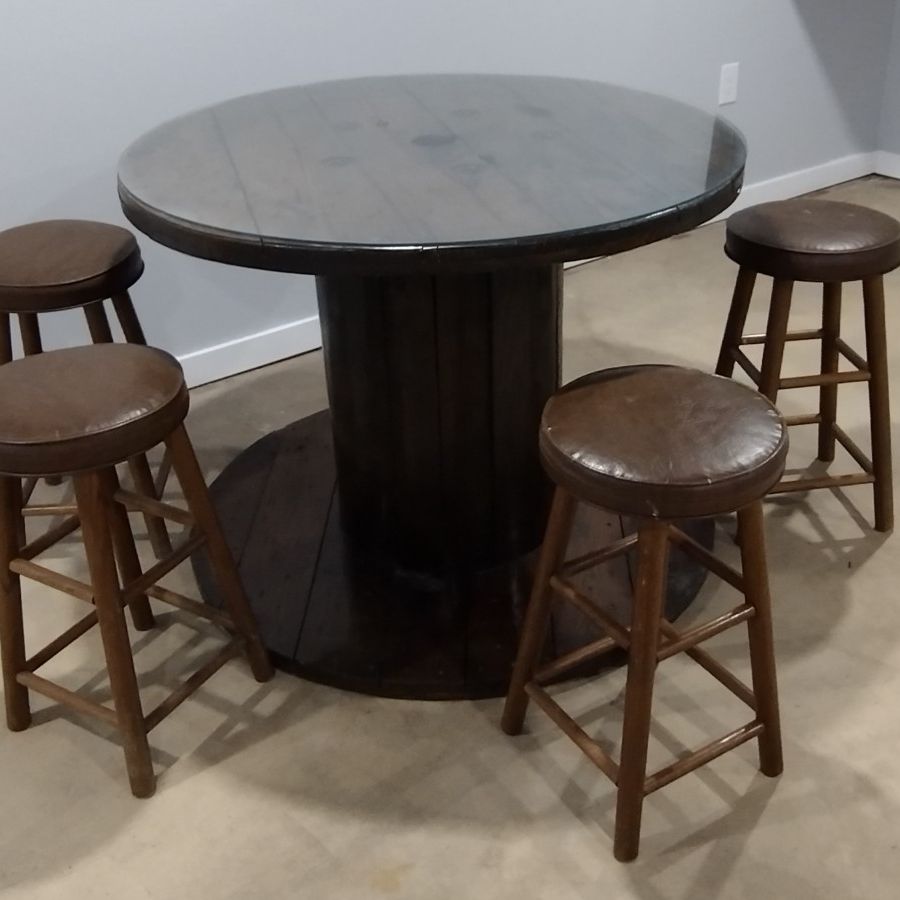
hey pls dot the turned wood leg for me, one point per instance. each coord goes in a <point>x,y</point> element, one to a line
<point>762,650</point>
<point>32,344</point>
<point>879,402</point>
<point>187,471</point>
<point>156,527</point>
<point>776,333</point>
<point>828,393</point>
<point>95,510</point>
<point>649,596</point>
<point>126,553</point>
<point>5,339</point>
<point>537,616</point>
<point>12,634</point>
<point>98,324</point>
<point>30,331</point>
<point>125,313</point>
<point>737,317</point>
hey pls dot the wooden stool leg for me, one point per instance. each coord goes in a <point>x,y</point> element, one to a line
<point>12,634</point>
<point>828,393</point>
<point>776,332</point>
<point>95,509</point>
<point>131,326</point>
<point>737,317</point>
<point>762,650</point>
<point>30,331</point>
<point>101,333</point>
<point>5,339</point>
<point>649,597</point>
<point>537,616</point>
<point>98,324</point>
<point>32,344</point>
<point>156,528</point>
<point>126,553</point>
<point>134,334</point>
<point>190,476</point>
<point>879,402</point>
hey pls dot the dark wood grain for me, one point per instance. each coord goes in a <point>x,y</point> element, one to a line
<point>336,612</point>
<point>525,334</point>
<point>436,386</point>
<point>429,173</point>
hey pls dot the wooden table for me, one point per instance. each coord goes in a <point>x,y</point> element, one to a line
<point>436,212</point>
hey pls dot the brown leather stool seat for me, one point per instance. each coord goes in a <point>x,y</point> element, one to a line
<point>814,240</point>
<point>68,263</point>
<point>81,412</point>
<point>831,243</point>
<point>71,410</point>
<point>661,443</point>
<point>64,263</point>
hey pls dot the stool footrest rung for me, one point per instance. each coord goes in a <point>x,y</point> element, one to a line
<point>570,660</point>
<point>703,659</point>
<point>50,509</point>
<point>67,698</point>
<point>596,557</point>
<point>594,752</point>
<point>701,633</point>
<point>825,481</point>
<point>191,684</point>
<point>813,334</point>
<point>811,419</point>
<point>163,567</point>
<point>709,560</point>
<point>57,645</point>
<point>203,610</point>
<point>568,592</point>
<point>853,449</point>
<point>50,537</point>
<point>700,757</point>
<point>153,507</point>
<point>55,580</point>
<point>827,378</point>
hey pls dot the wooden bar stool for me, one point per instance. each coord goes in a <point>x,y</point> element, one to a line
<point>660,443</point>
<point>65,264</point>
<point>830,243</point>
<point>80,412</point>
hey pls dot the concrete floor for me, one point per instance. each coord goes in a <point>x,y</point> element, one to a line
<point>294,790</point>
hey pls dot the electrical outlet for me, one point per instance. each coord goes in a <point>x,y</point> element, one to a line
<point>728,84</point>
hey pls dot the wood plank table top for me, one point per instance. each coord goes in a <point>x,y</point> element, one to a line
<point>430,172</point>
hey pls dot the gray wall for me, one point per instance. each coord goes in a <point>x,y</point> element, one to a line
<point>889,134</point>
<point>81,80</point>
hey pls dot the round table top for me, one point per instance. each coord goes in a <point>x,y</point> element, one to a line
<point>429,172</point>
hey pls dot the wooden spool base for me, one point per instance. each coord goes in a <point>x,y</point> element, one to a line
<point>341,617</point>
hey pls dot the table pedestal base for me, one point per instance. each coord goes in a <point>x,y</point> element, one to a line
<point>332,613</point>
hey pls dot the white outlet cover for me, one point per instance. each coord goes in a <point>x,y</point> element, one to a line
<point>728,83</point>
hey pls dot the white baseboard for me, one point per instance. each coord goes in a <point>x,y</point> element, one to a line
<point>293,338</point>
<point>803,181</point>
<point>887,164</point>
<point>251,351</point>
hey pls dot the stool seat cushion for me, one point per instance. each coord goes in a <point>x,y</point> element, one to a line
<point>814,240</point>
<point>64,263</point>
<point>662,442</point>
<point>87,407</point>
